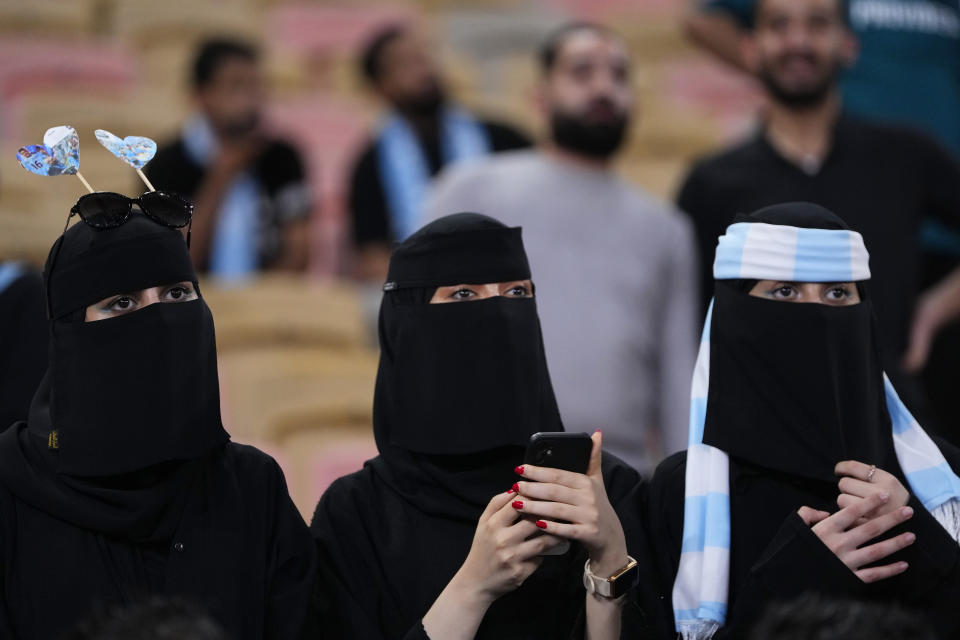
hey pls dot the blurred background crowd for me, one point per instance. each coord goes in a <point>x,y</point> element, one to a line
<point>307,133</point>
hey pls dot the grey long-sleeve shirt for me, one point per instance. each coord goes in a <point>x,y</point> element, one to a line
<point>615,271</point>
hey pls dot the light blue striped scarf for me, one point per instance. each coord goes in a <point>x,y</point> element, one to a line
<point>405,171</point>
<point>773,252</point>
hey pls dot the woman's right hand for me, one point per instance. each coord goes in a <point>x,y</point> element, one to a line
<point>500,559</point>
<point>846,532</point>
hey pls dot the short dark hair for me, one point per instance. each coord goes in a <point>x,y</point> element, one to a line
<point>842,5</point>
<point>212,53</point>
<point>818,616</point>
<point>550,48</point>
<point>372,52</point>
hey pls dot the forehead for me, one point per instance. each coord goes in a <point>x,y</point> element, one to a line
<point>591,45</point>
<point>798,8</point>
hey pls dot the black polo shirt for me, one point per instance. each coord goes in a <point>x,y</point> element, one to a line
<point>880,179</point>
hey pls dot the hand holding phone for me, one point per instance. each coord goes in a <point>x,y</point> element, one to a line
<point>559,450</point>
<point>574,505</point>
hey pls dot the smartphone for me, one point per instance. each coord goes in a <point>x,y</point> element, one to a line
<point>559,450</point>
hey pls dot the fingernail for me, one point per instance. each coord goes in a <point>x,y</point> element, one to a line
<point>907,512</point>
<point>519,470</point>
<point>884,496</point>
<point>541,524</point>
<point>512,489</point>
<point>598,431</point>
<point>516,487</point>
<point>518,504</point>
<point>911,538</point>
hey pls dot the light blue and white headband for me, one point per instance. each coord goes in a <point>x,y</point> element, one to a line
<point>773,252</point>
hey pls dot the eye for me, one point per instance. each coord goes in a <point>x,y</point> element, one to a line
<point>120,304</point>
<point>463,294</point>
<point>838,293</point>
<point>180,293</point>
<point>784,291</point>
<point>518,291</point>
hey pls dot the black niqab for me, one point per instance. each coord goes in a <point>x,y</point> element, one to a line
<point>796,388</point>
<point>461,386</point>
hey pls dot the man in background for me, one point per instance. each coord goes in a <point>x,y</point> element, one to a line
<point>616,276</point>
<point>252,200</point>
<point>881,180</point>
<point>907,72</point>
<point>422,132</point>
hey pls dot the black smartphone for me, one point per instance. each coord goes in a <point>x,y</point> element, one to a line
<point>559,450</point>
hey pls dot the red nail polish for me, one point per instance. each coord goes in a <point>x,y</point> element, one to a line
<point>516,487</point>
<point>518,504</point>
<point>541,524</point>
<point>519,470</point>
<point>511,490</point>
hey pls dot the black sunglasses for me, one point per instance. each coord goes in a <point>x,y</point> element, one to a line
<point>107,210</point>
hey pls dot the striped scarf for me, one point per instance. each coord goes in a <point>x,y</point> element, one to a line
<point>773,252</point>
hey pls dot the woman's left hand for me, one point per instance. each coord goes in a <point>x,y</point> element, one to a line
<point>581,501</point>
<point>863,480</point>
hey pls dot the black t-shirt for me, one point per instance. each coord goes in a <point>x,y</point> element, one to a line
<point>278,170</point>
<point>369,213</point>
<point>881,180</point>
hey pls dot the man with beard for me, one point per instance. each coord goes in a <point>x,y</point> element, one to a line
<point>879,179</point>
<point>250,191</point>
<point>615,266</point>
<point>420,134</point>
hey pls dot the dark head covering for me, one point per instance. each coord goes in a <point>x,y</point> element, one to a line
<point>461,386</point>
<point>128,402</point>
<point>795,387</point>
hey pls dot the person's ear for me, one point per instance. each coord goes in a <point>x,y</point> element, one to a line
<point>749,51</point>
<point>541,97</point>
<point>849,49</point>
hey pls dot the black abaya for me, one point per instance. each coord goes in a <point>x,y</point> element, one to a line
<point>383,561</point>
<point>775,556</point>
<point>239,548</point>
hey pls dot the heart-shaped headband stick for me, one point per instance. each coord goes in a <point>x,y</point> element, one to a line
<point>136,151</point>
<point>58,155</point>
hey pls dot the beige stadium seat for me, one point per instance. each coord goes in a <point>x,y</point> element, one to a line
<point>277,309</point>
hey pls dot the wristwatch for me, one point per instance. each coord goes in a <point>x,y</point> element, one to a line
<point>614,586</point>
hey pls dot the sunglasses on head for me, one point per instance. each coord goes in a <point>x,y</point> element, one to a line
<point>107,210</point>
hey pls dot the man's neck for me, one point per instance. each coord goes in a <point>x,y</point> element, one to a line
<point>574,159</point>
<point>803,136</point>
<point>427,127</point>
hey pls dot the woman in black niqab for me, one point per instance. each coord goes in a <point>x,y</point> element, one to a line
<point>460,389</point>
<point>122,483</point>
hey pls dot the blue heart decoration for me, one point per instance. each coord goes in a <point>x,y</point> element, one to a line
<point>58,155</point>
<point>136,151</point>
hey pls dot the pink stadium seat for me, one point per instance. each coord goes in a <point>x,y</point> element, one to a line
<point>33,64</point>
<point>729,97</point>
<point>328,130</point>
<point>339,459</point>
<point>330,28</point>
